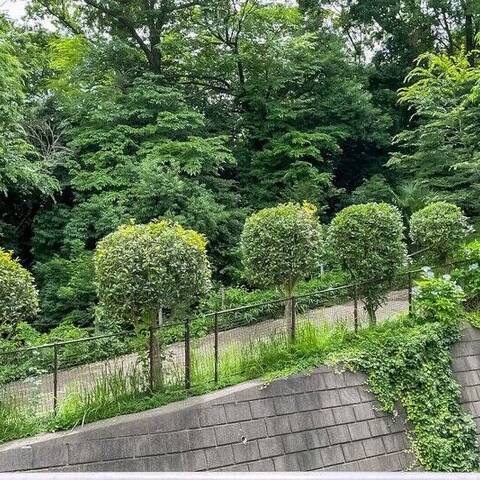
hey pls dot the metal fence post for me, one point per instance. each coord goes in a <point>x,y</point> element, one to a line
<point>355,308</point>
<point>216,347</point>
<point>410,293</point>
<point>293,313</point>
<point>187,355</point>
<point>150,357</point>
<point>55,378</point>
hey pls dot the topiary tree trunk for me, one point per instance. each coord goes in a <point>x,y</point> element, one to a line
<point>155,352</point>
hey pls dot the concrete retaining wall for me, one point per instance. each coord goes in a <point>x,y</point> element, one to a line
<point>325,420</point>
<point>322,421</point>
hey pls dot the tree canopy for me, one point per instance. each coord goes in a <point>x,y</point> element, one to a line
<point>201,112</point>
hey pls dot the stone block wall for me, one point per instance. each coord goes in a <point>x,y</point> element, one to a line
<point>321,421</point>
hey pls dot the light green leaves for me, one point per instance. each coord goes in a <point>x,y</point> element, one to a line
<point>140,268</point>
<point>18,295</point>
<point>440,227</point>
<point>368,242</point>
<point>282,245</point>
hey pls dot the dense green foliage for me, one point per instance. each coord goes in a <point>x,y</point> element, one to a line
<point>369,244</point>
<point>143,268</point>
<point>440,228</point>
<point>467,274</point>
<point>18,295</point>
<point>281,246</point>
<point>202,112</point>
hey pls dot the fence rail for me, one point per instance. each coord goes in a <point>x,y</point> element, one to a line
<point>177,355</point>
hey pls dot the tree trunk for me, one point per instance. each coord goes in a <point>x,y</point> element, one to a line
<point>372,314</point>
<point>469,38</point>
<point>155,353</point>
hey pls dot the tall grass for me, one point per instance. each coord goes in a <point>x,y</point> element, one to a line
<point>117,391</point>
<point>17,420</point>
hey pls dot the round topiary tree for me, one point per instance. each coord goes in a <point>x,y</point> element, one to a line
<point>440,228</point>
<point>368,242</point>
<point>141,269</point>
<point>281,246</point>
<point>18,295</point>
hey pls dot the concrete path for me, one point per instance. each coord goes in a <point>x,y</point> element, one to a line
<point>38,391</point>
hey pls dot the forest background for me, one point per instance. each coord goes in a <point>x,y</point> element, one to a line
<point>204,111</point>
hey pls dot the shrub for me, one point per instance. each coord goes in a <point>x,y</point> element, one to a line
<point>369,244</point>
<point>468,274</point>
<point>142,268</point>
<point>281,246</point>
<point>439,227</point>
<point>438,298</point>
<point>18,295</point>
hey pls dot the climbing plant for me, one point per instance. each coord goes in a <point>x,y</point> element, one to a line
<point>410,364</point>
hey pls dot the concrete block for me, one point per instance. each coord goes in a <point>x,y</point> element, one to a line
<point>237,412</point>
<point>219,457</point>
<point>392,462</point>
<point>310,460</point>
<point>262,408</point>
<point>334,380</point>
<point>294,442</point>
<point>287,463</point>
<point>314,382</point>
<point>49,454</point>
<point>271,447</point>
<point>338,434</point>
<point>160,443</point>
<point>323,418</point>
<point>332,455</point>
<point>246,452</point>
<point>359,431</point>
<point>16,459</point>
<point>373,447</point>
<point>343,467</point>
<point>300,421</point>
<point>232,468</point>
<point>317,439</point>
<point>373,464</point>
<point>343,415</point>
<point>214,415</point>
<point>308,401</point>
<point>284,405</point>
<point>349,396</point>
<point>194,461</point>
<point>364,411</point>
<point>330,398</point>
<point>227,434</point>
<point>353,451</point>
<point>378,426</point>
<point>253,429</point>
<point>277,426</point>
<point>265,465</point>
<point>201,438</point>
<point>101,450</point>
<point>166,463</point>
<point>395,443</point>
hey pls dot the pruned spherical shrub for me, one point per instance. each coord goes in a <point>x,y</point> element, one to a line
<point>282,245</point>
<point>18,295</point>
<point>439,228</point>
<point>368,242</point>
<point>142,268</point>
